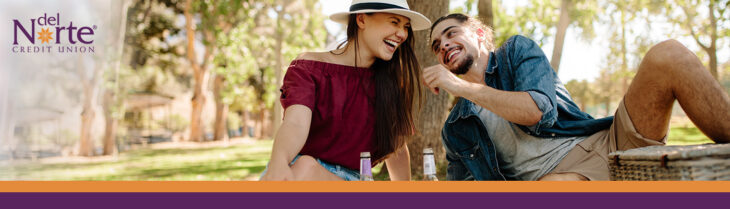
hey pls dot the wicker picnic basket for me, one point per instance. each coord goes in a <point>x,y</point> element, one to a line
<point>671,163</point>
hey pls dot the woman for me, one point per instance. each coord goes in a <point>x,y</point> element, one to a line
<point>357,98</point>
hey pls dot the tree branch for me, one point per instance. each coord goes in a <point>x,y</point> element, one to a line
<point>146,12</point>
<point>191,36</point>
<point>713,24</point>
<point>691,29</point>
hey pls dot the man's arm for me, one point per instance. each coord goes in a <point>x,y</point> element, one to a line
<point>514,106</point>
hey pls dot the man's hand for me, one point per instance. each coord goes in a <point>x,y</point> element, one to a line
<point>437,77</point>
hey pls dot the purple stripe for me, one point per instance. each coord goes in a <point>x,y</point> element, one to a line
<point>356,200</point>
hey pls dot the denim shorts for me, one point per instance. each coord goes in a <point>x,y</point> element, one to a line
<point>340,171</point>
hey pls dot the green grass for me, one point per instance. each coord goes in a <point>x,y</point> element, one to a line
<point>243,161</point>
<point>686,135</point>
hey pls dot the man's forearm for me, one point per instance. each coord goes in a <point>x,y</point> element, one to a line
<point>514,106</point>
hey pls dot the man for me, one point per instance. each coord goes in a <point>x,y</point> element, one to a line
<point>516,121</point>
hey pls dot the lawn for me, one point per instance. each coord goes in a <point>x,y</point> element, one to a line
<point>686,135</point>
<point>242,159</point>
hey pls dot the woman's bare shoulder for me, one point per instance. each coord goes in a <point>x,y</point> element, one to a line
<point>316,56</point>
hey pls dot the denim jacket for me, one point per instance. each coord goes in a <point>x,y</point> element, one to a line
<point>518,65</point>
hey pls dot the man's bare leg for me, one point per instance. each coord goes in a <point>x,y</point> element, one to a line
<point>670,71</point>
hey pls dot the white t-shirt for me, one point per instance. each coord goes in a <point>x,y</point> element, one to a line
<point>522,156</point>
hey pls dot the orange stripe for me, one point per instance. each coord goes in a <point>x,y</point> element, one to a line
<point>414,186</point>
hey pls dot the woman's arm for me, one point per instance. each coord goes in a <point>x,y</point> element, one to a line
<point>399,165</point>
<point>290,139</point>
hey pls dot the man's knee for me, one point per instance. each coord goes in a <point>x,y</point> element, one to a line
<point>304,167</point>
<point>669,54</point>
<point>563,177</point>
<point>671,47</point>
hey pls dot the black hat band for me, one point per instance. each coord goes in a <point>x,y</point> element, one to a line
<point>374,5</point>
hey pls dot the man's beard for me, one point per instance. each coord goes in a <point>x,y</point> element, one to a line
<point>464,66</point>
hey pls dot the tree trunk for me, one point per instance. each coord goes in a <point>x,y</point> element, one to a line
<point>201,79</point>
<point>563,24</point>
<point>221,111</point>
<point>244,124</point>
<point>486,13</point>
<point>110,129</point>
<point>267,125</point>
<point>89,89</point>
<point>713,63</point>
<point>86,143</point>
<point>110,100</point>
<point>262,118</point>
<point>712,50</point>
<point>432,115</point>
<point>198,101</point>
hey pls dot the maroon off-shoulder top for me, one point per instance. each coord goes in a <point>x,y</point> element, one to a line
<point>343,111</point>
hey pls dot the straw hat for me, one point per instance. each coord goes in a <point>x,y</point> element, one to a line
<point>400,7</point>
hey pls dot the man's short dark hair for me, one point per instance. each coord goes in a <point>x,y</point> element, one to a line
<point>473,23</point>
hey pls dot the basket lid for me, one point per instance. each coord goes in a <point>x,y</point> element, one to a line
<point>673,152</point>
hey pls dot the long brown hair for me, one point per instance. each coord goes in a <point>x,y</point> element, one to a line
<point>396,85</point>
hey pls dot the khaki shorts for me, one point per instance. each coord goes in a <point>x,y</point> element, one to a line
<point>590,157</point>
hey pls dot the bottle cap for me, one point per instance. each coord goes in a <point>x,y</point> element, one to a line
<point>365,154</point>
<point>427,151</point>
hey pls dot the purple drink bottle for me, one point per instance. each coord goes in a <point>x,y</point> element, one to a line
<point>366,173</point>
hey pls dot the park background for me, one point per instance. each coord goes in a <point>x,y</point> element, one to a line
<point>188,90</point>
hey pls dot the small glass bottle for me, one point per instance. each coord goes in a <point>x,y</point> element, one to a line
<point>366,173</point>
<point>429,165</point>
